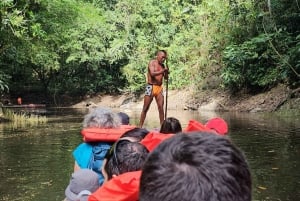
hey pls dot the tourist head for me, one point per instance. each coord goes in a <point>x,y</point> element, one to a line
<point>126,155</point>
<point>196,167</point>
<point>170,125</point>
<point>82,183</point>
<point>101,118</point>
<point>125,120</point>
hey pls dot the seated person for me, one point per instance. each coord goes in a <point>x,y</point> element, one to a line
<point>170,125</point>
<point>82,184</point>
<point>196,167</point>
<point>121,170</point>
<point>90,155</point>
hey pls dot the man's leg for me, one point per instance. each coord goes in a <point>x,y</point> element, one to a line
<point>147,102</point>
<point>160,105</point>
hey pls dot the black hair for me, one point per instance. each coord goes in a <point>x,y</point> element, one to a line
<point>127,156</point>
<point>170,125</point>
<point>164,51</point>
<point>137,133</point>
<point>196,167</point>
<point>125,120</point>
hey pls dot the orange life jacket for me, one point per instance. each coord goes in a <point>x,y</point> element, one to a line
<point>124,187</point>
<point>104,134</point>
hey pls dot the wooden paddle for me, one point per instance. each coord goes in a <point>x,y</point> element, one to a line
<point>167,81</point>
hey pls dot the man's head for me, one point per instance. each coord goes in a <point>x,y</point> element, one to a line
<point>124,156</point>
<point>196,167</point>
<point>161,56</point>
<point>101,118</point>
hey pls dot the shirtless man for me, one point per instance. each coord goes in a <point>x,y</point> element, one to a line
<point>156,72</point>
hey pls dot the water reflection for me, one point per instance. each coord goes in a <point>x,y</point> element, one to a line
<point>36,161</point>
<point>271,144</point>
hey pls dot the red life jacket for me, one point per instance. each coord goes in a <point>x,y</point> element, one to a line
<point>194,125</point>
<point>217,125</point>
<point>124,187</point>
<point>153,139</point>
<point>104,134</point>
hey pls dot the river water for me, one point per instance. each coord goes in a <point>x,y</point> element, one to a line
<point>36,161</point>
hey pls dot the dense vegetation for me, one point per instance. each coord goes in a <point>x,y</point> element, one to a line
<point>52,48</point>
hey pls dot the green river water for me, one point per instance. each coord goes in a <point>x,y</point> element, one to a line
<point>36,161</point>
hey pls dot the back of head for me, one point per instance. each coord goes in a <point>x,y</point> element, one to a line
<point>159,51</point>
<point>137,133</point>
<point>101,118</point>
<point>170,125</point>
<point>125,156</point>
<point>124,118</point>
<point>82,183</point>
<point>196,167</point>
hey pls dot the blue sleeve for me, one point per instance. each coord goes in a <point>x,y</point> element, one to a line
<point>82,154</point>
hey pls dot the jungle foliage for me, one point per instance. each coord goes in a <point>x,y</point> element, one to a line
<point>81,47</point>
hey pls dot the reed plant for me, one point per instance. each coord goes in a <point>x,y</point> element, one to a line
<point>23,117</point>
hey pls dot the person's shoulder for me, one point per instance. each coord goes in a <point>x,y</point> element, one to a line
<point>82,154</point>
<point>83,147</point>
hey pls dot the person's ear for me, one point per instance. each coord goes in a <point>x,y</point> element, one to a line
<point>113,176</point>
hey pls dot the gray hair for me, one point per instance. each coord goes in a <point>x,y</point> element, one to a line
<point>101,118</point>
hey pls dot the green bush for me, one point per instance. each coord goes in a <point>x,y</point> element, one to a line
<point>257,64</point>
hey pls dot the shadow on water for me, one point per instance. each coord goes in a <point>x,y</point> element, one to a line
<point>36,161</point>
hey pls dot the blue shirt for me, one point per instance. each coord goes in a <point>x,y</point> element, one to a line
<point>91,156</point>
<point>82,154</point>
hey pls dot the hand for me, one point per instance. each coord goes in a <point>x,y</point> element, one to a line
<point>164,71</point>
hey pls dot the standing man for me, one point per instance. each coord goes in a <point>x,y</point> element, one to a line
<point>156,72</point>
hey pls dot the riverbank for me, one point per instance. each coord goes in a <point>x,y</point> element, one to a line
<point>278,98</point>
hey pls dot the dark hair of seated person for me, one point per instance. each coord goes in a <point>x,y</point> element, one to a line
<point>170,125</point>
<point>125,156</point>
<point>197,166</point>
<point>138,133</point>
